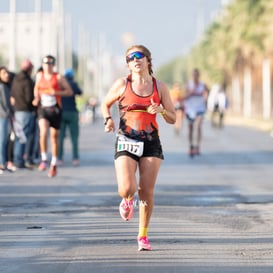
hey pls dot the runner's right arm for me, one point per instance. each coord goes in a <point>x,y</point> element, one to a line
<point>112,96</point>
<point>36,99</point>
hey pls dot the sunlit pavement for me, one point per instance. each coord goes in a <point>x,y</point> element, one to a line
<point>213,213</point>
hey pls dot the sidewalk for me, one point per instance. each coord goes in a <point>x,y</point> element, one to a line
<point>260,124</point>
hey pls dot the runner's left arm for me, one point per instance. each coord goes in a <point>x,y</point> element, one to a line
<point>166,109</point>
<point>66,90</point>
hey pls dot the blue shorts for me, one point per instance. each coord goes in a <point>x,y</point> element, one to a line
<point>190,119</point>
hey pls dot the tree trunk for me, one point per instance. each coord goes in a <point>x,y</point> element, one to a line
<point>236,94</point>
<point>247,92</point>
<point>266,89</point>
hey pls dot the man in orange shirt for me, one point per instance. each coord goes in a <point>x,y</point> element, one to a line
<point>49,88</point>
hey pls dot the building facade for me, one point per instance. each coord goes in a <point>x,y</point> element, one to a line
<point>33,35</point>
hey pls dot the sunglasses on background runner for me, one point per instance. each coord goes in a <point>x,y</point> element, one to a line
<point>48,61</point>
<point>138,55</point>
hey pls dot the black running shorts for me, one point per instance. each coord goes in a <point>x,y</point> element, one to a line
<point>151,149</point>
<point>52,114</point>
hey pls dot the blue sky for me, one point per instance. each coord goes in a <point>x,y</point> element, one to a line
<point>167,27</point>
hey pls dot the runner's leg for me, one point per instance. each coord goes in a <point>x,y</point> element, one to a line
<point>191,133</point>
<point>125,171</point>
<point>148,169</point>
<point>43,126</point>
<point>74,134</point>
<point>54,135</point>
<point>199,121</point>
<point>190,129</point>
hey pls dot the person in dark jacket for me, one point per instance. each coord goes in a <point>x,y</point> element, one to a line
<point>5,115</point>
<point>11,139</point>
<point>22,94</point>
<point>70,119</point>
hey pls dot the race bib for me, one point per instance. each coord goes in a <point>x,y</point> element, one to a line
<point>48,100</point>
<point>130,145</point>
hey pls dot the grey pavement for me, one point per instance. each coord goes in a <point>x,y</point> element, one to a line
<point>213,213</point>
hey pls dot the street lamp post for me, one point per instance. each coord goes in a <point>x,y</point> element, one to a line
<point>12,42</point>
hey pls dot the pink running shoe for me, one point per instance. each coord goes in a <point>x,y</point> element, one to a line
<point>42,166</point>
<point>126,209</point>
<point>52,171</point>
<point>143,244</point>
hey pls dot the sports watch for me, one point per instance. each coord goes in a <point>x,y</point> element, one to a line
<point>106,120</point>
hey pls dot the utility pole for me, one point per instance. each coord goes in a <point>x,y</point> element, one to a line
<point>266,88</point>
<point>12,41</point>
<point>200,21</point>
<point>59,35</point>
<point>38,14</point>
<point>69,51</point>
<point>80,53</point>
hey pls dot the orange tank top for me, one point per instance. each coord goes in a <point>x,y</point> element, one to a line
<point>45,85</point>
<point>135,121</point>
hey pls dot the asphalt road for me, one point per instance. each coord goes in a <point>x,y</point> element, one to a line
<point>213,213</point>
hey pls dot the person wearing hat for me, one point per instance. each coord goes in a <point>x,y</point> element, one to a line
<point>21,98</point>
<point>70,119</point>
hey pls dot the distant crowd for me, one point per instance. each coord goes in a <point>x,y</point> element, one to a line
<point>33,107</point>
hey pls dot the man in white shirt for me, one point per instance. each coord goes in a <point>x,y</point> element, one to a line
<point>195,108</point>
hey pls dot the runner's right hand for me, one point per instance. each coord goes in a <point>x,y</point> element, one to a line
<point>110,126</point>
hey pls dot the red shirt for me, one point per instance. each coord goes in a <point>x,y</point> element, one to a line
<point>45,86</point>
<point>135,121</point>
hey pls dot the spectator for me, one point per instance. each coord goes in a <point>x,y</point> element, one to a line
<point>217,104</point>
<point>5,116</point>
<point>22,97</point>
<point>93,104</point>
<point>70,119</point>
<point>10,165</point>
